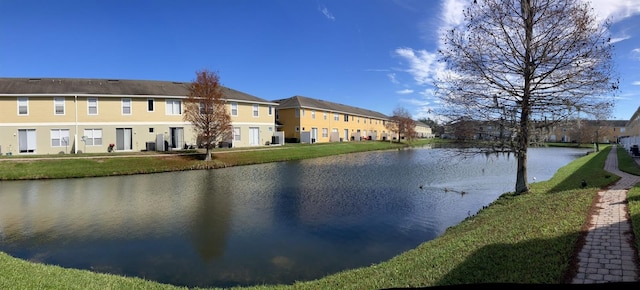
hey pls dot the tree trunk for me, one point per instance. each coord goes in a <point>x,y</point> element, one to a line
<point>207,156</point>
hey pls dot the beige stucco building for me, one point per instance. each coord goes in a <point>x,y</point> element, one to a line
<point>52,115</point>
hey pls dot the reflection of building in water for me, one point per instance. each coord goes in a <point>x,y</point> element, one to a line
<point>114,207</point>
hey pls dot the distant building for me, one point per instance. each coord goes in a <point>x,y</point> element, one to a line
<point>308,120</point>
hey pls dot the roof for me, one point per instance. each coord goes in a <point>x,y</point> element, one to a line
<point>309,103</point>
<point>108,87</point>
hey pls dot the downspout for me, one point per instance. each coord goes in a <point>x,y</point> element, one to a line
<point>75,135</point>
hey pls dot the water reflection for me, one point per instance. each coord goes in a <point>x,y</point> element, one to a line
<point>269,223</point>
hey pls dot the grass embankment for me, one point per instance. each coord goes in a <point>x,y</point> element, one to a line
<point>527,238</point>
<point>627,164</point>
<point>93,165</point>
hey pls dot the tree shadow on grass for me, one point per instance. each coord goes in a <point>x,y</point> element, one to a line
<point>591,172</point>
<point>530,262</point>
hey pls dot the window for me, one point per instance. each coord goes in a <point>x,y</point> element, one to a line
<point>151,130</point>
<point>255,110</point>
<point>174,107</point>
<point>325,132</point>
<point>313,114</point>
<point>346,118</point>
<point>234,109</point>
<point>324,115</point>
<point>297,113</point>
<point>126,106</point>
<point>236,133</point>
<point>150,105</point>
<point>23,106</point>
<point>93,137</point>
<point>270,110</point>
<point>59,137</point>
<point>92,106</point>
<point>58,104</point>
<point>302,111</point>
<point>336,117</point>
<point>277,114</point>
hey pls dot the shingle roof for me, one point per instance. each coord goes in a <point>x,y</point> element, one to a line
<point>309,103</point>
<point>107,87</point>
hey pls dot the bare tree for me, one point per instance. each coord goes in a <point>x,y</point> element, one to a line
<point>206,110</point>
<point>402,124</point>
<point>519,62</point>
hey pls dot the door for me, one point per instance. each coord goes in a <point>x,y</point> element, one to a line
<point>123,139</point>
<point>254,136</point>
<point>27,140</point>
<point>176,137</point>
<point>346,134</point>
<point>314,135</point>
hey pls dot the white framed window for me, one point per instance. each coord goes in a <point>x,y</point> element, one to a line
<point>173,107</point>
<point>270,110</point>
<point>59,137</point>
<point>58,106</point>
<point>336,117</point>
<point>334,130</point>
<point>23,106</point>
<point>150,105</point>
<point>256,111</point>
<point>92,106</point>
<point>92,137</point>
<point>325,132</point>
<point>302,112</point>
<point>126,106</point>
<point>234,109</point>
<point>236,133</point>
<point>297,113</point>
<point>313,114</point>
<point>324,115</point>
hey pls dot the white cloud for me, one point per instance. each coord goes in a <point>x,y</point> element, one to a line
<point>392,78</point>
<point>615,10</point>
<point>636,83</point>
<point>404,92</point>
<point>423,65</point>
<point>452,12</point>
<point>635,54</point>
<point>323,9</point>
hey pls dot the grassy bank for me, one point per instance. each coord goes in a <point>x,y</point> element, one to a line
<point>93,165</point>
<point>627,164</point>
<point>526,238</point>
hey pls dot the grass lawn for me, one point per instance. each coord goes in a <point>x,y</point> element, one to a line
<point>528,238</point>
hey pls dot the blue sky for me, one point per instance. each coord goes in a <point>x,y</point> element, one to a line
<point>374,54</point>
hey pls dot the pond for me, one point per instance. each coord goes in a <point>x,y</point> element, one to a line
<point>267,223</point>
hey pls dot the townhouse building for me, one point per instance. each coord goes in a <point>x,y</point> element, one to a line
<point>64,115</point>
<point>423,130</point>
<point>309,120</point>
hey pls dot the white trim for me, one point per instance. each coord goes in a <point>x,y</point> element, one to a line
<point>123,123</point>
<point>122,102</point>
<point>64,106</point>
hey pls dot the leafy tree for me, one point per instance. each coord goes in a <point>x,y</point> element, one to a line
<point>518,62</point>
<point>401,124</point>
<point>206,110</point>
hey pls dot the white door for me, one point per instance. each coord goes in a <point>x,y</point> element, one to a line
<point>314,135</point>
<point>27,140</point>
<point>254,136</point>
<point>123,139</point>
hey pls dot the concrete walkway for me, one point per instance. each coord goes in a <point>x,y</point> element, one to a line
<point>607,255</point>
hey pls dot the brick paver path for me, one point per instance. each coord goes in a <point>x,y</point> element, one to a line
<point>607,255</point>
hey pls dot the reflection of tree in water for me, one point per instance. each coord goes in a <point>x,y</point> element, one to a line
<point>212,218</point>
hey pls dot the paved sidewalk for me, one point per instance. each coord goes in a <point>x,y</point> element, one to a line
<point>607,255</point>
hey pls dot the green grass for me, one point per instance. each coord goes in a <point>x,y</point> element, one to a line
<point>527,238</point>
<point>93,165</point>
<point>626,163</point>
